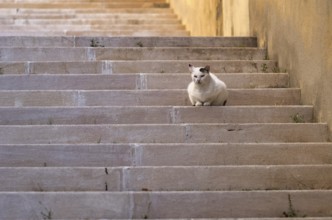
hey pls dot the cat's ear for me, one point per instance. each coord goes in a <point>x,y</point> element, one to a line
<point>207,68</point>
<point>191,68</point>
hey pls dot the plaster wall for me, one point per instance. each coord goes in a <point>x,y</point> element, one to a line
<point>298,34</point>
<point>200,17</point>
<point>213,17</point>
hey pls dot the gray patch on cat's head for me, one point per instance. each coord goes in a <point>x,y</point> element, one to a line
<point>193,69</point>
<point>199,74</point>
<point>205,69</point>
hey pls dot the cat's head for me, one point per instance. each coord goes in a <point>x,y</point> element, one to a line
<point>199,75</point>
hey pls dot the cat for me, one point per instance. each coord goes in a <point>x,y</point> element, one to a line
<point>206,89</point>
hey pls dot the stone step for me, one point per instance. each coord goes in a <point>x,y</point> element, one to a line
<point>92,33</point>
<point>77,1</point>
<point>102,22</point>
<point>194,178</point>
<point>154,115</point>
<point>109,28</point>
<point>38,41</point>
<point>162,133</point>
<point>138,53</point>
<point>88,13</point>
<point>82,5</point>
<point>136,66</point>
<point>129,205</point>
<point>135,81</point>
<point>22,98</point>
<point>204,154</point>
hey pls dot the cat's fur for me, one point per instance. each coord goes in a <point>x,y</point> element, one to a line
<point>205,88</point>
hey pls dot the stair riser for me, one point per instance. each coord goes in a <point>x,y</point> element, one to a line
<point>163,155</point>
<point>110,67</point>
<point>244,178</point>
<point>93,54</point>
<point>67,28</point>
<point>87,14</point>
<point>142,98</point>
<point>126,41</point>
<point>78,1</point>
<point>157,205</point>
<point>135,81</point>
<point>104,22</point>
<point>190,133</point>
<point>92,33</point>
<point>153,115</point>
<point>81,5</point>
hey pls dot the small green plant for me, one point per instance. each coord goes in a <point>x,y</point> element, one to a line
<point>162,71</point>
<point>140,44</point>
<point>297,118</point>
<point>276,69</point>
<point>264,68</point>
<point>95,43</point>
<point>50,121</point>
<point>266,56</point>
<point>46,213</point>
<point>161,5</point>
<point>291,213</point>
<point>1,71</point>
<point>99,140</point>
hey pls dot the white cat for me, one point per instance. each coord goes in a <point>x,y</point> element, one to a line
<point>205,88</point>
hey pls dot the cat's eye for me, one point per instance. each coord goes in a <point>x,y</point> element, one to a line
<point>195,76</point>
<point>202,76</point>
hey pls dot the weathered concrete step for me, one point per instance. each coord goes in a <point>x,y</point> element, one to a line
<point>92,33</point>
<point>141,53</point>
<point>194,178</point>
<point>136,66</point>
<point>58,98</point>
<point>135,81</point>
<point>63,1</point>
<point>154,115</point>
<point>82,5</point>
<point>180,133</point>
<point>205,154</point>
<point>78,1</point>
<point>68,28</point>
<point>89,15</point>
<point>38,41</point>
<point>129,205</point>
<point>121,20</point>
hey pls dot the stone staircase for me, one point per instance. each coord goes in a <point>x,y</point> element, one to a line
<point>89,18</point>
<point>100,127</point>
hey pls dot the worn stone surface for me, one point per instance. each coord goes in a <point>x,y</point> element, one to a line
<point>138,53</point>
<point>21,98</point>
<point>154,115</point>
<point>194,178</point>
<point>158,204</point>
<point>100,127</point>
<point>202,154</point>
<point>183,133</point>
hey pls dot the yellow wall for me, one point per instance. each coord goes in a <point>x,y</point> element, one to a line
<point>235,17</point>
<point>298,34</point>
<point>213,17</point>
<point>201,17</point>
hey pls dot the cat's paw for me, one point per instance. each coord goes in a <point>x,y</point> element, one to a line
<point>207,103</point>
<point>198,104</point>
